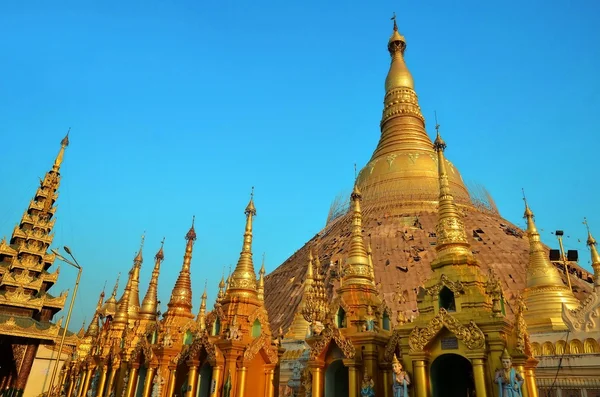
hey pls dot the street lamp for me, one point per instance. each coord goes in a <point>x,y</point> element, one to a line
<point>76,265</point>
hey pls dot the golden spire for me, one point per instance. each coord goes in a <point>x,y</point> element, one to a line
<point>150,303</point>
<point>122,313</point>
<point>110,306</point>
<point>202,313</point>
<point>299,327</point>
<point>316,302</point>
<point>370,255</point>
<point>134,294</point>
<point>222,284</point>
<point>356,270</point>
<point>243,278</point>
<point>180,304</point>
<point>94,327</point>
<point>61,153</point>
<point>261,281</point>
<point>591,242</point>
<point>452,245</point>
<point>545,292</point>
<point>398,76</point>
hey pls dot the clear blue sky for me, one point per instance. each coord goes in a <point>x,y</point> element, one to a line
<point>178,108</point>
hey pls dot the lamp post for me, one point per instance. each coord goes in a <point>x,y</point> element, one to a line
<point>76,265</point>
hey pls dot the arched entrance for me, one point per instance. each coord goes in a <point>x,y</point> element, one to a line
<point>452,376</point>
<point>336,379</point>
<point>205,380</point>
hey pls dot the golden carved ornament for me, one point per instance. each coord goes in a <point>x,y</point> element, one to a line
<point>456,287</point>
<point>390,347</point>
<point>471,335</point>
<point>493,288</point>
<point>263,318</point>
<point>327,335</point>
<point>262,342</point>
<point>523,343</point>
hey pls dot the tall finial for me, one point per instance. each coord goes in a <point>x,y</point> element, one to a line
<point>545,293</point>
<point>149,306</point>
<point>59,157</point>
<point>591,242</point>
<point>180,304</point>
<point>452,245</point>
<point>393,18</point>
<point>138,257</point>
<point>356,269</point>
<point>243,279</point>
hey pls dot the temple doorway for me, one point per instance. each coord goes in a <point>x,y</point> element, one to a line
<point>452,376</point>
<point>336,379</point>
<point>204,381</point>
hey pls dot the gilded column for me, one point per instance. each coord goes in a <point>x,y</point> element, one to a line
<point>88,377</point>
<point>148,382</point>
<point>71,385</point>
<point>479,375</point>
<point>132,381</point>
<point>386,373</point>
<point>111,381</point>
<point>352,381</point>
<point>269,389</point>
<point>63,378</point>
<point>84,379</point>
<point>193,379</point>
<point>317,381</point>
<point>421,381</point>
<point>530,382</point>
<point>241,382</point>
<point>102,381</point>
<point>172,379</point>
<point>216,381</point>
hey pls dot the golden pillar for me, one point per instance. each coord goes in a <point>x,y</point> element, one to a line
<point>216,381</point>
<point>111,380</point>
<point>172,379</point>
<point>317,380</point>
<point>85,381</point>
<point>71,385</point>
<point>421,380</point>
<point>63,378</point>
<point>386,379</point>
<point>269,388</point>
<point>148,381</point>
<point>193,379</point>
<point>352,381</point>
<point>530,383</point>
<point>101,381</point>
<point>241,382</point>
<point>132,381</point>
<point>479,375</point>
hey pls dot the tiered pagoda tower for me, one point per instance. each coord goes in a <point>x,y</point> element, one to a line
<point>26,307</point>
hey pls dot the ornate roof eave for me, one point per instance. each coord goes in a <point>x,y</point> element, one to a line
<point>12,328</point>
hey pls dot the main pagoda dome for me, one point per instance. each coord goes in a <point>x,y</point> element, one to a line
<point>400,199</point>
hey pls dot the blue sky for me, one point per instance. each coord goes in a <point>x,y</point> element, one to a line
<point>178,108</point>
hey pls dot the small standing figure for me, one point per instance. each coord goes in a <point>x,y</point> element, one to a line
<point>367,388</point>
<point>370,319</point>
<point>508,379</point>
<point>401,379</point>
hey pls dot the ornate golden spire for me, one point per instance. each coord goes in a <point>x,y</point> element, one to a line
<point>61,153</point>
<point>122,314</point>
<point>110,306</point>
<point>356,269</point>
<point>545,292</point>
<point>94,328</point>
<point>180,304</point>
<point>243,278</point>
<point>452,245</point>
<point>201,320</point>
<point>316,302</point>
<point>370,255</point>
<point>134,294</point>
<point>221,293</point>
<point>299,327</point>
<point>150,303</point>
<point>261,281</point>
<point>402,168</point>
<point>591,242</point>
